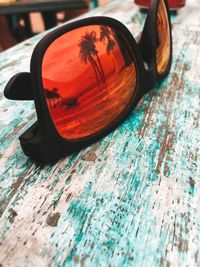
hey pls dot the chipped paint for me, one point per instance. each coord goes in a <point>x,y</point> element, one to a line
<point>52,219</point>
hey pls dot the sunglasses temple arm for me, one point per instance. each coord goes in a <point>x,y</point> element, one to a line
<point>19,87</point>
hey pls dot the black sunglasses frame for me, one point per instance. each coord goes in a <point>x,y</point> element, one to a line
<point>41,141</point>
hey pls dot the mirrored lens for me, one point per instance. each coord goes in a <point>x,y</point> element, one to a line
<point>163,49</point>
<point>89,78</point>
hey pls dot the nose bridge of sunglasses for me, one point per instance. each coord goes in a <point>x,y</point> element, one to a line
<point>19,87</point>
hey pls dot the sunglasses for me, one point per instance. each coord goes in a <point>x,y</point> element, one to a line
<point>86,77</point>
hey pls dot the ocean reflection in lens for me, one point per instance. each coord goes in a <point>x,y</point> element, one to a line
<point>89,77</point>
<point>163,49</point>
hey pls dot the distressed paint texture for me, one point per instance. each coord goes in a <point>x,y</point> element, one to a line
<point>131,199</point>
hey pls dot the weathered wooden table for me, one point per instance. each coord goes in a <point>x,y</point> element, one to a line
<point>131,199</point>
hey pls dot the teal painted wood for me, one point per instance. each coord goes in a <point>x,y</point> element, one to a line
<point>131,199</point>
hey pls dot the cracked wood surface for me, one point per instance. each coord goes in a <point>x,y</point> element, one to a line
<point>131,199</point>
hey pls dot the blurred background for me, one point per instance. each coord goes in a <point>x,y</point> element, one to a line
<point>16,27</point>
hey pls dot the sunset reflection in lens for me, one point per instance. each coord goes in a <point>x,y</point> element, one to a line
<point>89,78</point>
<point>163,49</point>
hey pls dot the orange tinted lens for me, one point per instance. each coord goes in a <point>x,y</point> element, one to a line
<point>163,49</point>
<point>89,77</point>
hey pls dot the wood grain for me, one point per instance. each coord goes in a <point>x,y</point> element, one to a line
<point>131,199</point>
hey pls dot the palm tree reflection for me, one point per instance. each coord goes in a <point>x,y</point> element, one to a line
<point>88,52</point>
<point>105,34</point>
<point>111,40</point>
<point>54,99</point>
